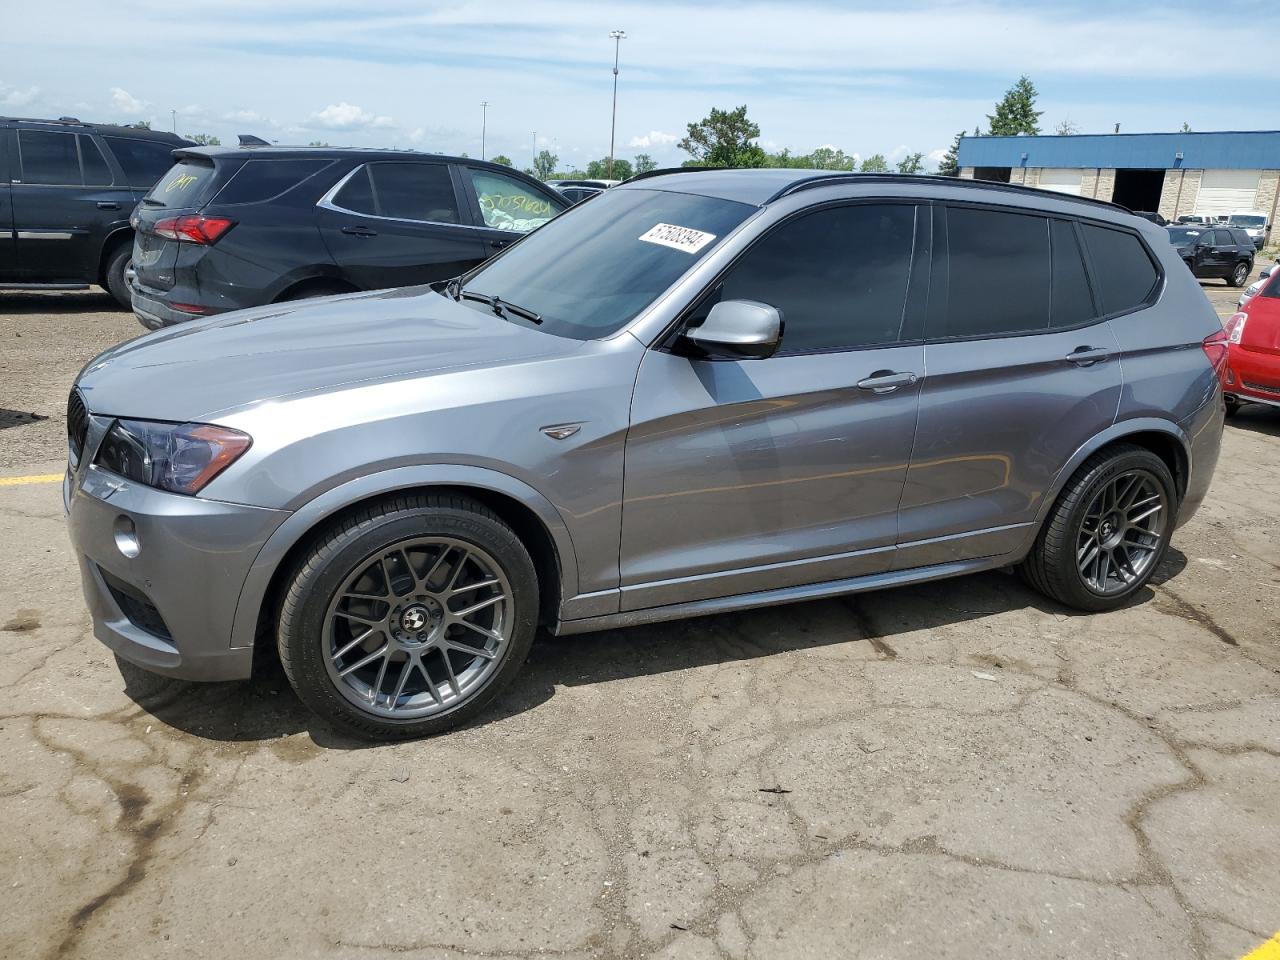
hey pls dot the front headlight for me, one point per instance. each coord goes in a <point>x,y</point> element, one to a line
<point>178,457</point>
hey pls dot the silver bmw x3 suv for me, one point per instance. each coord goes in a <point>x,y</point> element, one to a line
<point>699,392</point>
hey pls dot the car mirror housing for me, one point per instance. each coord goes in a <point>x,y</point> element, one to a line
<point>739,330</point>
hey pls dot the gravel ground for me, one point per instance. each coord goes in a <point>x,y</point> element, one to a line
<point>959,769</point>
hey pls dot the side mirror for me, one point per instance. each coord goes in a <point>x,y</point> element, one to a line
<point>739,330</point>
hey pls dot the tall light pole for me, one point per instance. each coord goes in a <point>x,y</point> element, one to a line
<point>484,118</point>
<point>617,36</point>
<point>534,163</point>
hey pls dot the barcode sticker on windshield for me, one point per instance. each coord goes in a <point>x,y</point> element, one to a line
<point>678,238</point>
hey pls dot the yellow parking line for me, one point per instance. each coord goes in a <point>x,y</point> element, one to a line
<point>39,478</point>
<point>1268,951</point>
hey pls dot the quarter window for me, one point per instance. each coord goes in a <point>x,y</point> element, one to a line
<point>508,204</point>
<point>1123,270</point>
<point>49,158</point>
<point>998,275</point>
<point>839,276</point>
<point>356,194</point>
<point>260,180</point>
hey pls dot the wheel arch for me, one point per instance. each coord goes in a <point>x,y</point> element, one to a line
<point>335,284</point>
<point>114,240</point>
<point>535,520</point>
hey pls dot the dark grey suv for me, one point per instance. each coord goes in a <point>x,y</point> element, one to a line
<point>699,392</point>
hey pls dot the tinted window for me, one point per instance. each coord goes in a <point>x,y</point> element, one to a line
<point>589,272</point>
<point>839,276</point>
<point>1072,302</point>
<point>1271,289</point>
<point>183,184</point>
<point>1242,238</point>
<point>998,274</point>
<point>261,180</point>
<point>414,191</point>
<point>357,193</point>
<point>510,204</point>
<point>96,171</point>
<point>49,157</point>
<point>1124,273</point>
<point>143,161</point>
<point>1223,238</point>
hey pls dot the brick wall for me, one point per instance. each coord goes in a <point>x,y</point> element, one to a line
<point>1105,185</point>
<point>1268,201</point>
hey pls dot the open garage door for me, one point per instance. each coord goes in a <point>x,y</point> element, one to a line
<point>1061,180</point>
<point>1227,191</point>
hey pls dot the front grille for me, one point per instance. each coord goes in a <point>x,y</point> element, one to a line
<point>1262,387</point>
<point>133,603</point>
<point>77,425</point>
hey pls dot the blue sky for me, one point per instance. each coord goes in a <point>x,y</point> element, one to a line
<point>866,78</point>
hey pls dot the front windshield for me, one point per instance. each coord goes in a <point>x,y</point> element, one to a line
<point>1245,221</point>
<point>1181,236</point>
<point>590,271</point>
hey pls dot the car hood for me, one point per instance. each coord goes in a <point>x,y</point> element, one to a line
<point>200,370</point>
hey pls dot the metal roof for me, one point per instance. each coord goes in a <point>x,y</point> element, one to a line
<point>1226,150</point>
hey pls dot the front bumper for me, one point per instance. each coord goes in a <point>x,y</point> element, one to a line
<point>170,607</point>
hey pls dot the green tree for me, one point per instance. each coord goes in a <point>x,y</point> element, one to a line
<point>599,169</point>
<point>829,158</point>
<point>643,163</point>
<point>205,139</point>
<point>501,159</point>
<point>318,143</point>
<point>1016,113</point>
<point>950,163</point>
<point>1186,127</point>
<point>911,163</point>
<point>876,163</point>
<point>544,164</point>
<point>724,138</point>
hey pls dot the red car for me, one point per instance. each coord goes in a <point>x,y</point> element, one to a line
<point>1252,371</point>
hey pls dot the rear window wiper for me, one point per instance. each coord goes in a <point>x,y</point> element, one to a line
<point>499,306</point>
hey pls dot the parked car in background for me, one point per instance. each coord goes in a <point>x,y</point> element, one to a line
<point>1254,223</point>
<point>1252,371</point>
<point>1193,220</point>
<point>609,424</point>
<point>575,191</point>
<point>1225,252</point>
<point>66,189</point>
<point>228,228</point>
<point>599,183</point>
<point>1251,291</point>
<point>1151,215</point>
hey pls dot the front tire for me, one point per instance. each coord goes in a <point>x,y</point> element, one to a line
<point>1239,275</point>
<point>409,616</point>
<point>116,284</point>
<point>1107,532</point>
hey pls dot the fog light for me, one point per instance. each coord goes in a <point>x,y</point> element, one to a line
<point>127,537</point>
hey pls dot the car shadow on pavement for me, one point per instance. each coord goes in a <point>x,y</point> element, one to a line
<point>72,301</point>
<point>1257,418</point>
<point>266,708</point>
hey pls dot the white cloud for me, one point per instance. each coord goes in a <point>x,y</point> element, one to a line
<point>127,103</point>
<point>654,138</point>
<point>244,116</point>
<point>898,152</point>
<point>13,97</point>
<point>935,156</point>
<point>347,116</point>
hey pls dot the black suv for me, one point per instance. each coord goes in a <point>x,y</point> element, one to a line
<point>66,189</point>
<point>1225,252</point>
<point>240,227</point>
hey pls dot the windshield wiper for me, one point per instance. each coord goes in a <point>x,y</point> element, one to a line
<point>499,306</point>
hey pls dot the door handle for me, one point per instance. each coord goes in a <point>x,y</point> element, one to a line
<point>1088,356</point>
<point>887,381</point>
<point>499,244</point>
<point>108,205</point>
<point>360,231</point>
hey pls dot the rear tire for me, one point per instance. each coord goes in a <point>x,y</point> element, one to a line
<point>117,286</point>
<point>1232,404</point>
<point>1075,526</point>
<point>1239,274</point>
<point>426,679</point>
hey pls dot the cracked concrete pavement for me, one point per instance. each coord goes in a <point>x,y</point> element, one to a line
<point>957,769</point>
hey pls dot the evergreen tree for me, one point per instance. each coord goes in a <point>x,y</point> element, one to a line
<point>950,164</point>
<point>1016,113</point>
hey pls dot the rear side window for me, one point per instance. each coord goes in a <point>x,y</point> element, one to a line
<point>998,273</point>
<point>49,158</point>
<point>1124,272</point>
<point>183,185</point>
<point>96,171</point>
<point>356,194</point>
<point>839,276</point>
<point>415,191</point>
<point>260,180</point>
<point>143,161</point>
<point>1071,301</point>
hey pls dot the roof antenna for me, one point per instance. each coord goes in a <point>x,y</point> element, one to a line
<point>1117,128</point>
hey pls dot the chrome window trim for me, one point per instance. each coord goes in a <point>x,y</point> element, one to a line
<point>326,202</point>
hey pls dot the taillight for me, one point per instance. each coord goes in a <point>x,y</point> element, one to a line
<point>1235,327</point>
<point>193,229</point>
<point>1215,348</point>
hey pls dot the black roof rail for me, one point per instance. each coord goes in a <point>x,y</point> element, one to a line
<point>832,179</point>
<point>663,171</point>
<point>69,121</point>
